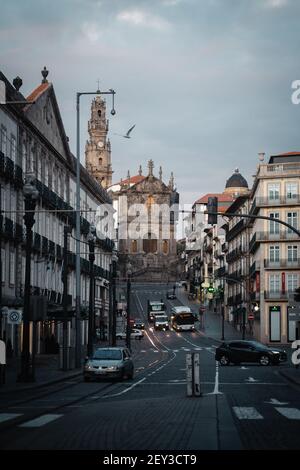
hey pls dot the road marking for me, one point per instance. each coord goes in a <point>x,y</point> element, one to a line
<point>41,421</point>
<point>143,351</point>
<point>175,350</point>
<point>251,379</point>
<point>290,413</point>
<point>126,389</point>
<point>8,416</point>
<point>244,368</point>
<point>273,401</point>
<point>247,412</point>
<point>216,388</point>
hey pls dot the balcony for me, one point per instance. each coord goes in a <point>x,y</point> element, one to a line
<point>234,278</point>
<point>279,170</point>
<point>253,269</point>
<point>282,263</point>
<point>19,233</point>
<point>282,200</point>
<point>18,177</point>
<point>254,208</point>
<point>37,242</point>
<point>278,295</point>
<point>232,233</point>
<point>51,248</point>
<point>281,235</point>
<point>253,245</point>
<point>234,254</point>
<point>59,252</point>
<point>221,272</point>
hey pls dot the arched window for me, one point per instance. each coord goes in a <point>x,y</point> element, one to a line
<point>133,246</point>
<point>150,244</point>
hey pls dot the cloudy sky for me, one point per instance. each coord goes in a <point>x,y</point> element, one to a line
<point>207,83</point>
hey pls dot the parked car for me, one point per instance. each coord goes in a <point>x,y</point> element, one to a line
<point>171,294</point>
<point>138,324</point>
<point>109,362</point>
<point>249,351</point>
<point>134,334</point>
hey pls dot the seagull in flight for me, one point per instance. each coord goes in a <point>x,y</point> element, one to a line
<point>127,135</point>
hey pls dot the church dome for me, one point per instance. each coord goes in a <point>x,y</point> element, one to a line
<point>236,183</point>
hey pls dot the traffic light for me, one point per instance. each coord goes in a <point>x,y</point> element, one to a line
<point>211,289</point>
<point>212,206</point>
<point>297,295</point>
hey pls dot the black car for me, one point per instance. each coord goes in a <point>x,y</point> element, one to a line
<point>171,295</point>
<point>139,324</point>
<point>248,351</point>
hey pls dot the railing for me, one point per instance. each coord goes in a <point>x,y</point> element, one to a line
<point>282,263</point>
<point>278,295</point>
<point>253,269</point>
<point>235,230</point>
<point>281,235</point>
<point>221,272</point>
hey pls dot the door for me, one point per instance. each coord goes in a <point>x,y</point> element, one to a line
<point>239,352</point>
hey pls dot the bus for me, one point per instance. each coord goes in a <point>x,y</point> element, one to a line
<point>155,307</point>
<point>183,321</point>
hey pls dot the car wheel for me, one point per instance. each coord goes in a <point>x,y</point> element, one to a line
<point>264,360</point>
<point>224,361</point>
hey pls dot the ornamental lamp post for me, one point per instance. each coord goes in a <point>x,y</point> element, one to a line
<point>91,327</point>
<point>31,195</point>
<point>113,316</point>
<point>128,329</point>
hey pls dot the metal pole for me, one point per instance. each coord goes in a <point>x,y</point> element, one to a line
<point>223,321</point>
<point>110,331</point>
<point>26,375</point>
<point>244,323</point>
<point>65,300</point>
<point>78,284</point>
<point>128,314</point>
<point>114,303</point>
<point>1,224</point>
<point>91,327</point>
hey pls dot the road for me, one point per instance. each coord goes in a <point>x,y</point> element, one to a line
<point>248,407</point>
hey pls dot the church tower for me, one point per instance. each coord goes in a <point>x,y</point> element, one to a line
<point>97,149</point>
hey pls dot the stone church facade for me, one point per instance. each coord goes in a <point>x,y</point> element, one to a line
<point>147,214</point>
<point>146,238</point>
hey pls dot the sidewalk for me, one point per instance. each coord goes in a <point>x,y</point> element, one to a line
<point>47,371</point>
<point>212,321</point>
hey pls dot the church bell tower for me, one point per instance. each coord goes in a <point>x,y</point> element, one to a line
<point>97,149</point>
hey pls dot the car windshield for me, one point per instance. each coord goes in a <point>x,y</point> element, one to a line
<point>161,318</point>
<point>107,354</point>
<point>157,307</point>
<point>182,309</point>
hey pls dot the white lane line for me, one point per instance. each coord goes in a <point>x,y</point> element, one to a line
<point>143,351</point>
<point>216,388</point>
<point>41,421</point>
<point>126,389</point>
<point>251,379</point>
<point>290,413</point>
<point>8,416</point>
<point>274,401</point>
<point>246,412</point>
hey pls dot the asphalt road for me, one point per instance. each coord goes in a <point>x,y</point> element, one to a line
<point>248,407</point>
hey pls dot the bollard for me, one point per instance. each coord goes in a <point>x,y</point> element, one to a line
<point>189,375</point>
<point>2,362</point>
<point>193,375</point>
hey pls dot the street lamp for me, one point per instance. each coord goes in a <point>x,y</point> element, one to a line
<point>78,286</point>
<point>91,329</point>
<point>31,195</point>
<point>112,303</point>
<point>129,272</point>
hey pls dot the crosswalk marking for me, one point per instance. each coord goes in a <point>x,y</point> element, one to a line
<point>41,421</point>
<point>290,413</point>
<point>246,412</point>
<point>8,416</point>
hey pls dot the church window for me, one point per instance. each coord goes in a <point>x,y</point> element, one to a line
<point>100,161</point>
<point>99,113</point>
<point>150,244</point>
<point>165,246</point>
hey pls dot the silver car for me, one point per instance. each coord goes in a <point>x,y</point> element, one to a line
<point>109,363</point>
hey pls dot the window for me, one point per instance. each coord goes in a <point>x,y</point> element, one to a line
<point>274,283</point>
<point>273,191</point>
<point>274,226</point>
<point>292,282</point>
<point>291,190</point>
<point>292,219</point>
<point>13,148</point>
<point>292,251</point>
<point>275,326</point>
<point>12,261</point>
<point>46,181</point>
<point>274,253</point>
<point>133,246</point>
<point>3,140</point>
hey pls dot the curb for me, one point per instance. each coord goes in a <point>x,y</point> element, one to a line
<point>40,385</point>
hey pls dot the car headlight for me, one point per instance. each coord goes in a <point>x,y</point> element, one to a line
<point>275,352</point>
<point>113,368</point>
<point>88,366</point>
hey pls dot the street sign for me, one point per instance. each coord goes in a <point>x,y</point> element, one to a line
<point>14,317</point>
<point>250,316</point>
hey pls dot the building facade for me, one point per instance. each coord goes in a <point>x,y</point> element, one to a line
<point>33,141</point>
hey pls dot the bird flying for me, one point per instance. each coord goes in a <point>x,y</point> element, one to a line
<point>127,135</point>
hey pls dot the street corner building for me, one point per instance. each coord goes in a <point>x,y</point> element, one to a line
<point>33,143</point>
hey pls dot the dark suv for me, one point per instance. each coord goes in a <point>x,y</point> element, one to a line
<point>248,351</point>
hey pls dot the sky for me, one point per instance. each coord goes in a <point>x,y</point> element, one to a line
<point>206,82</point>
